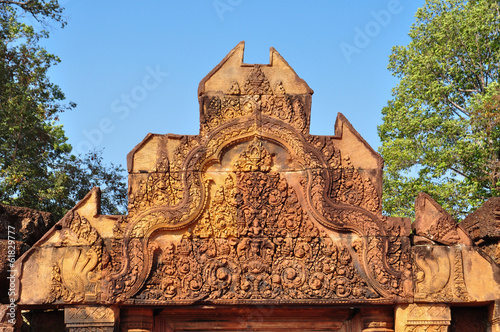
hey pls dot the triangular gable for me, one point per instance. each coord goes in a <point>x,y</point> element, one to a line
<point>253,209</point>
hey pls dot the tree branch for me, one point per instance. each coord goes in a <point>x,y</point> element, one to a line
<point>460,108</point>
<point>458,172</point>
<point>19,3</point>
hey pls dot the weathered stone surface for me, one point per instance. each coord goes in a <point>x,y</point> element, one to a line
<point>451,274</point>
<point>10,318</point>
<point>423,317</point>
<point>484,223</point>
<point>494,316</point>
<point>29,224</point>
<point>484,227</point>
<point>66,263</point>
<point>90,318</point>
<point>434,223</point>
<point>6,258</point>
<point>259,238</point>
<point>254,209</point>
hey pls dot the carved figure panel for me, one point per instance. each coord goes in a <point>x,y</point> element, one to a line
<point>256,96</point>
<point>76,277</point>
<point>255,242</point>
<point>439,274</point>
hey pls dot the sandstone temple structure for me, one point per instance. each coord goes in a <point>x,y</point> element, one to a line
<point>255,224</point>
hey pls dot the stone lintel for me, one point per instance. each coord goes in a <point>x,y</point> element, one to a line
<point>90,317</point>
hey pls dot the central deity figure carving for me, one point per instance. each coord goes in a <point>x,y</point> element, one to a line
<point>255,242</point>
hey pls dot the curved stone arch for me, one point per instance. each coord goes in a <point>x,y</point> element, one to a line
<point>199,156</point>
<point>379,251</point>
<point>204,155</point>
<point>211,151</point>
<point>373,223</point>
<point>216,155</point>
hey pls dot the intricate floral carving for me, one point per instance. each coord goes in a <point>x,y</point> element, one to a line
<point>164,187</point>
<point>121,283</point>
<point>277,252</point>
<point>375,256</point>
<point>459,287</point>
<point>257,83</point>
<point>352,189</point>
<point>255,97</point>
<point>248,268</point>
<point>254,158</point>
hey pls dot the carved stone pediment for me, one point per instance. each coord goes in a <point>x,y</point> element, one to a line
<point>255,212</point>
<point>254,209</point>
<point>484,227</point>
<point>434,223</point>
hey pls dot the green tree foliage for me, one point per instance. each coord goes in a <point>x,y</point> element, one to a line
<point>77,175</point>
<point>441,131</point>
<point>37,168</point>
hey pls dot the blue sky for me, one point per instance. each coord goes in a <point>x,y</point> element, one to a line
<point>134,67</point>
